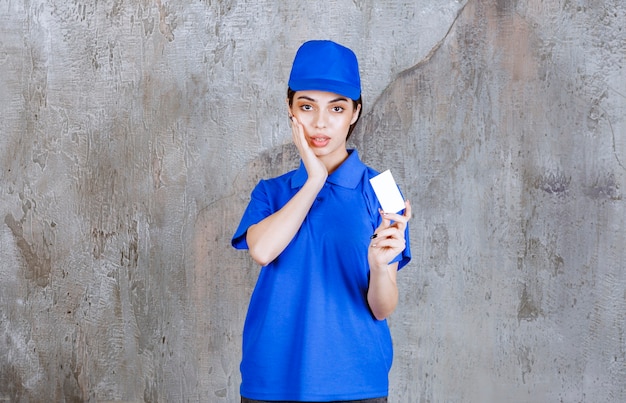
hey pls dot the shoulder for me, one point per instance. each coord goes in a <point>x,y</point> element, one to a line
<point>370,172</point>
<point>278,181</point>
<point>277,188</point>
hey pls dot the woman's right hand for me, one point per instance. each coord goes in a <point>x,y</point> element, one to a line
<point>315,168</point>
<point>269,237</point>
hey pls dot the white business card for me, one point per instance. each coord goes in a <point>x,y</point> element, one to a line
<point>387,192</point>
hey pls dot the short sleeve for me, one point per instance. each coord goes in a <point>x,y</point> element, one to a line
<point>405,257</point>
<point>257,210</point>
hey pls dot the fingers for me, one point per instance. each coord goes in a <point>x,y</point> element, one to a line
<point>297,131</point>
<point>389,244</point>
<point>408,213</point>
<point>399,220</point>
<point>390,233</point>
<point>404,218</point>
<point>394,241</point>
<point>298,137</point>
<point>392,226</point>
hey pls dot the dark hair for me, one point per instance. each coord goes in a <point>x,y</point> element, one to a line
<point>355,104</point>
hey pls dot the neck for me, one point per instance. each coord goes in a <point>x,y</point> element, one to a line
<point>332,162</point>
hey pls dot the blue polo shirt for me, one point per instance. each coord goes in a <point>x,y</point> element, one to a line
<point>309,334</point>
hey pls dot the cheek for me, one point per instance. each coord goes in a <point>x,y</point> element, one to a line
<point>305,118</point>
<point>343,120</point>
<point>298,116</point>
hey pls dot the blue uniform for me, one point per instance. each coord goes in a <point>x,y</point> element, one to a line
<point>309,334</point>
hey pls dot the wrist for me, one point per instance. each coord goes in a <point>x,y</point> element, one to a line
<point>316,182</point>
<point>379,268</point>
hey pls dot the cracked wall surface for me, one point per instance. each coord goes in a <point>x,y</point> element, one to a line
<point>133,132</point>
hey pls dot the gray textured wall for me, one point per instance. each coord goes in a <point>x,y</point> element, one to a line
<point>132,132</point>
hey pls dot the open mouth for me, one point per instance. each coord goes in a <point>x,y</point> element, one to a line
<point>320,141</point>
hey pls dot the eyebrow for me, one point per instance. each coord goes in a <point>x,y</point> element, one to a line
<point>314,100</point>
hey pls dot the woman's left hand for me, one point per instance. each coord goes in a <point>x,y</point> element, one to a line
<point>388,241</point>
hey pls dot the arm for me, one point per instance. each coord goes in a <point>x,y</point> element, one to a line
<point>382,294</point>
<point>268,238</point>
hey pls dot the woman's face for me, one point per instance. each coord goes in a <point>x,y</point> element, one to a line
<point>326,118</point>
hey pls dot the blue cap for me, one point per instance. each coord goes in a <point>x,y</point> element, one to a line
<point>326,66</point>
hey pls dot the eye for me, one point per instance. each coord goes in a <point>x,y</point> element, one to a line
<point>306,107</point>
<point>337,109</point>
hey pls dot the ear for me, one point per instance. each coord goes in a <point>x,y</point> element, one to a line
<point>288,108</point>
<point>355,114</point>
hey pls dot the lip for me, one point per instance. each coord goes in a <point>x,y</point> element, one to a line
<point>319,141</point>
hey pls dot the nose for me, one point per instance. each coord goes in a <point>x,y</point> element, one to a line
<point>320,119</point>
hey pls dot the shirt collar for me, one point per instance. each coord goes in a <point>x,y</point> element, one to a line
<point>347,175</point>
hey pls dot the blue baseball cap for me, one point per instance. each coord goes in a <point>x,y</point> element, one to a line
<point>326,66</point>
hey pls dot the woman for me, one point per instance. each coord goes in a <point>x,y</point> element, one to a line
<point>315,329</point>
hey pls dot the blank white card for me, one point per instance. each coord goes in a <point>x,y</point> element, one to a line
<point>387,192</point>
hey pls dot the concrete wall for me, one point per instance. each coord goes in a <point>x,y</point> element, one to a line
<point>131,134</point>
